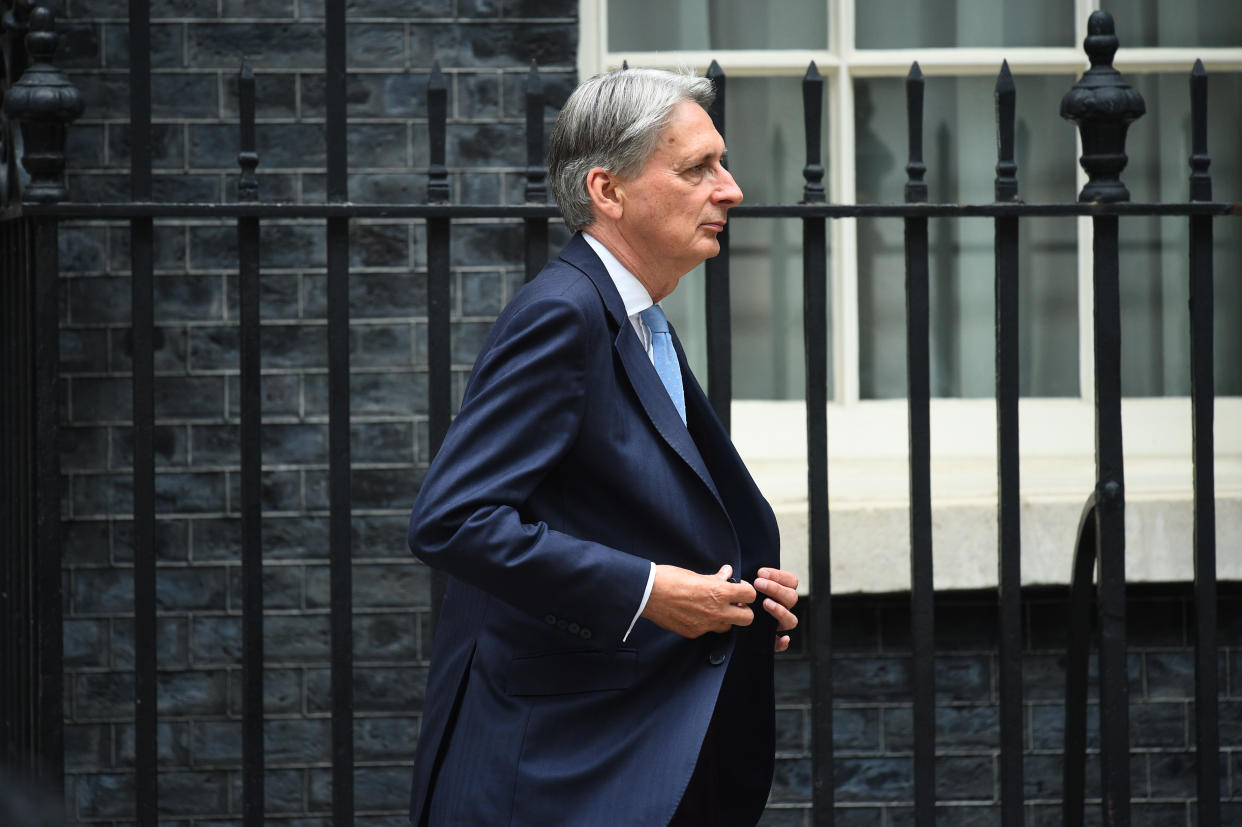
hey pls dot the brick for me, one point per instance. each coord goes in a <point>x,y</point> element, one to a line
<point>873,779</point>
<point>215,640</point>
<point>402,9</point>
<point>78,45</point>
<point>1170,674</point>
<point>284,791</point>
<point>103,696</point>
<point>566,9</point>
<point>83,351</point>
<point>288,740</point>
<point>282,692</point>
<point>216,742</point>
<point>380,536</point>
<point>557,87</point>
<point>194,793</point>
<point>192,693</point>
<point>98,300</point>
<point>83,448</point>
<point>256,8</point>
<point>383,787</point>
<point>275,95</point>
<point>375,44</point>
<point>402,393</point>
<point>965,778</point>
<point>1173,775</point>
<point>388,738</point>
<point>105,795</point>
<point>283,45</point>
<point>87,746</point>
<point>388,188</point>
<point>84,149</point>
<point>171,744</point>
<point>1048,728</point>
<point>486,145</point>
<point>84,643</point>
<point>98,495</point>
<point>481,294</point>
<point>1158,725</point>
<point>85,543</point>
<point>402,95</point>
<point>468,341</point>
<point>184,8</point>
<point>102,591</point>
<point>282,396</point>
<point>169,349</point>
<point>301,638</point>
<point>386,637</point>
<point>487,245</point>
<point>171,642</point>
<point>82,248</point>
<point>385,487</point>
<point>871,679</point>
<point>376,689</point>
<point>378,245</point>
<point>478,96</point>
<point>104,95</point>
<point>382,442</point>
<point>176,96</point>
<point>169,443</point>
<point>381,345</point>
<point>167,43</point>
<point>493,44</point>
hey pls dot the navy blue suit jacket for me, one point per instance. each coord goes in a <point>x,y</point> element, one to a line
<point>566,471</point>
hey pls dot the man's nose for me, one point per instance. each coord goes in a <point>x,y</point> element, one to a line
<point>727,192</point>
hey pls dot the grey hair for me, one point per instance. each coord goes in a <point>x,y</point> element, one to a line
<point>613,121</point>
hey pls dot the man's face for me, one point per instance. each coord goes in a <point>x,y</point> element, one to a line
<point>675,207</point>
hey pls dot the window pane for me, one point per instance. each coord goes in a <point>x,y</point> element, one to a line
<point>960,151</point>
<point>896,24</point>
<point>1212,23</point>
<point>1155,251</point>
<point>661,25</point>
<point>765,136</point>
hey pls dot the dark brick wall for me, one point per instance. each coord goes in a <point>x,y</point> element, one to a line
<point>872,711</point>
<point>485,47</point>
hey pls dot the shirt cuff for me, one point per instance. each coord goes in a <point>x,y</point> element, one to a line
<point>642,603</point>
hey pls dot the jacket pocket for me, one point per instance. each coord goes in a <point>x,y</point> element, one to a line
<point>563,673</point>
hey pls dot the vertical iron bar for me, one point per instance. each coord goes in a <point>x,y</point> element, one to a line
<point>339,508</point>
<point>716,291</point>
<point>536,228</point>
<point>1078,644</point>
<point>48,609</point>
<point>815,339</point>
<point>1009,552</point>
<point>143,323</point>
<point>922,597</point>
<point>439,331</point>
<point>1202,400</point>
<point>1110,525</point>
<point>251,464</point>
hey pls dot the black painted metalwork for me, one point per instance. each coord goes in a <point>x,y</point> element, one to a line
<point>1103,106</point>
<point>339,490</point>
<point>251,483</point>
<point>815,339</point>
<point>1202,400</point>
<point>142,320</point>
<point>1009,535</point>
<point>918,393</point>
<point>716,291</point>
<point>536,227</point>
<point>33,700</point>
<point>439,329</point>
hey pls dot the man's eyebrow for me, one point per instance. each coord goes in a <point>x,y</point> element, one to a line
<point>702,157</point>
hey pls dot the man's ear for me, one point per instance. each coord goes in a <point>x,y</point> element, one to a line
<point>604,188</point>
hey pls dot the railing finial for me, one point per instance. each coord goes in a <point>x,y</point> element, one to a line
<point>1200,180</point>
<point>44,102</point>
<point>437,121</point>
<point>1103,106</point>
<point>813,113</point>
<point>536,174</point>
<point>916,187</point>
<point>247,156</point>
<point>1006,186</point>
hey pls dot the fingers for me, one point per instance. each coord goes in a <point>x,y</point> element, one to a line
<point>782,643</point>
<point>780,590</point>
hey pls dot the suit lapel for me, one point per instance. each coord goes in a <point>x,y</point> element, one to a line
<point>638,368</point>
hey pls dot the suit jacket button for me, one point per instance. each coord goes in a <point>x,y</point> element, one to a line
<point>573,628</point>
<point>717,657</point>
<point>550,620</point>
<point>585,634</point>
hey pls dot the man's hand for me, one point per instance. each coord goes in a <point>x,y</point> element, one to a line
<point>781,590</point>
<point>693,604</point>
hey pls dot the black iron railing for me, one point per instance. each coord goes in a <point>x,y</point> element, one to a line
<point>31,656</point>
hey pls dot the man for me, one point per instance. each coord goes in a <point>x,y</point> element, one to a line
<point>598,659</point>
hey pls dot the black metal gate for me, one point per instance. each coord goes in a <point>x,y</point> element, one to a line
<point>1101,104</point>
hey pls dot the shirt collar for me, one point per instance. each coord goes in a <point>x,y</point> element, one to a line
<point>633,294</point>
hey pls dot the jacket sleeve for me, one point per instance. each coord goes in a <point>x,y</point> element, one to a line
<point>521,416</point>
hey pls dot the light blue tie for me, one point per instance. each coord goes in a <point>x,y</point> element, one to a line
<point>665,358</point>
